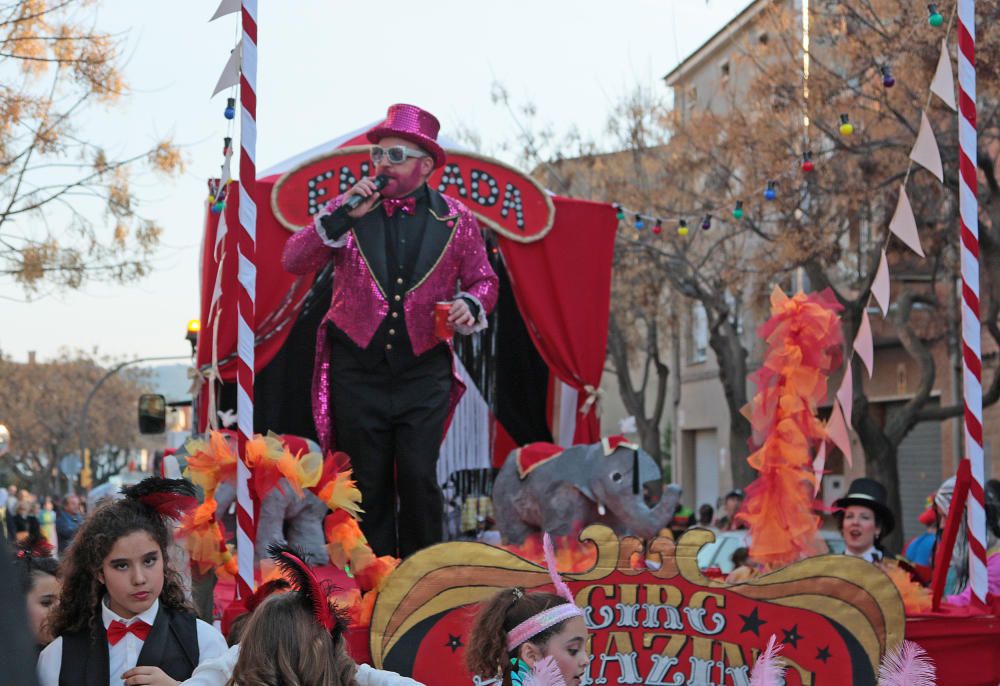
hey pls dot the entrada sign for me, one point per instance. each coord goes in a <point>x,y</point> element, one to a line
<point>834,615</point>
<point>509,202</point>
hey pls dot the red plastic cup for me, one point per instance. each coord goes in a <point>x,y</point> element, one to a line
<point>441,328</point>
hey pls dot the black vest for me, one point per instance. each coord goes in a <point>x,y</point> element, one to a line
<point>172,645</point>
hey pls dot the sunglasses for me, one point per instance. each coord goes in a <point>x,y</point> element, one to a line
<point>397,154</point>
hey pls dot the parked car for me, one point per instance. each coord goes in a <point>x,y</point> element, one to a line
<point>718,555</point>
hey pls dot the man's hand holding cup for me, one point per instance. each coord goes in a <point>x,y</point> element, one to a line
<point>449,315</point>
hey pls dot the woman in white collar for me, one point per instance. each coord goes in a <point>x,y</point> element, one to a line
<point>864,519</point>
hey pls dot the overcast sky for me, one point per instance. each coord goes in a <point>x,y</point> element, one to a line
<point>327,67</point>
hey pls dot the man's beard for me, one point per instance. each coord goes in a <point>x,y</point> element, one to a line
<point>403,184</point>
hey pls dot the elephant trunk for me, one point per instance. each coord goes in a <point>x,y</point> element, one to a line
<point>646,522</point>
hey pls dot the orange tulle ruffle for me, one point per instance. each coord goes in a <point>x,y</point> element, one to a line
<point>804,343</point>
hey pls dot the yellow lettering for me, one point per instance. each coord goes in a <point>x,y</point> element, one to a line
<point>629,593</point>
<point>620,641</point>
<point>732,654</point>
<point>674,646</point>
<point>584,595</point>
<point>701,647</point>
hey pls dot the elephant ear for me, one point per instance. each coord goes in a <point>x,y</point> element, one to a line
<point>648,469</point>
<point>576,466</point>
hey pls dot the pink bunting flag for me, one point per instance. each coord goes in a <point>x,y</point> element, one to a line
<point>818,464</point>
<point>845,394</point>
<point>836,431</point>
<point>943,84</point>
<point>904,224</point>
<point>925,150</point>
<point>863,344</point>
<point>880,286</point>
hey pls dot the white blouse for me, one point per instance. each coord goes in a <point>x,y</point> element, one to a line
<point>870,555</point>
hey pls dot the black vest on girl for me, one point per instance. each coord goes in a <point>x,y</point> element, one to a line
<point>172,645</point>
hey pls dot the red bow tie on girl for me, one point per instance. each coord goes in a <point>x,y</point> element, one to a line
<point>117,630</point>
<point>406,205</point>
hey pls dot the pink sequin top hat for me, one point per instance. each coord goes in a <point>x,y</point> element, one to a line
<point>413,124</point>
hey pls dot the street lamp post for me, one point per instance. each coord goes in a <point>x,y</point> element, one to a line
<point>82,431</point>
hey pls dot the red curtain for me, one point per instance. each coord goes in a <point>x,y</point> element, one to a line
<point>562,286</point>
<point>274,286</point>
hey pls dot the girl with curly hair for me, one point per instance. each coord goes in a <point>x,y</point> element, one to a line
<point>122,616</point>
<point>36,571</point>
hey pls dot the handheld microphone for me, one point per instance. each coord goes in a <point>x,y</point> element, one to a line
<point>352,202</point>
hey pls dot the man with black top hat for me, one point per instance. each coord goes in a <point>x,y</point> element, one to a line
<point>865,519</point>
<point>383,376</point>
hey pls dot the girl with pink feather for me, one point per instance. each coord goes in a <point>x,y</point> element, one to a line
<point>530,639</point>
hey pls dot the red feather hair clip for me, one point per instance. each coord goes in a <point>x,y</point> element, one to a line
<point>36,548</point>
<point>170,498</point>
<point>315,593</point>
<point>265,590</point>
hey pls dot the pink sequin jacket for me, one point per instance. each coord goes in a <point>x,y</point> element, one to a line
<point>452,253</point>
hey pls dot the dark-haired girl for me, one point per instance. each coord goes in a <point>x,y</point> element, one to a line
<point>122,616</point>
<point>529,639</point>
<point>36,570</point>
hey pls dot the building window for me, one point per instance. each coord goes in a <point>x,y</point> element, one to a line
<point>724,68</point>
<point>762,39</point>
<point>692,97</point>
<point>698,345</point>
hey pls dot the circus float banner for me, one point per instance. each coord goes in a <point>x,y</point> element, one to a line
<point>836,616</point>
<point>509,202</point>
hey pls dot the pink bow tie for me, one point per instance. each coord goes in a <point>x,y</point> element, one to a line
<point>406,205</point>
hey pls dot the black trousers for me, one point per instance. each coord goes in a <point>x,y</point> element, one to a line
<point>391,424</point>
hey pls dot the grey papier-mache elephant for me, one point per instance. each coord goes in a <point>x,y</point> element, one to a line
<point>285,517</point>
<point>579,486</point>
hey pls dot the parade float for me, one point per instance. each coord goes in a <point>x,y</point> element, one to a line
<point>654,616</point>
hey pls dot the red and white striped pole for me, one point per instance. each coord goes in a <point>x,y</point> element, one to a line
<point>246,531</point>
<point>971,348</point>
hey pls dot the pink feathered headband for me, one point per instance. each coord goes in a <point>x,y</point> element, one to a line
<point>545,619</point>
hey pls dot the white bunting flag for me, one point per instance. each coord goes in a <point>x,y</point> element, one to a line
<point>943,84</point>
<point>227,7</point>
<point>230,75</point>
<point>925,151</point>
<point>863,343</point>
<point>836,431</point>
<point>818,464</point>
<point>904,224</point>
<point>880,286</point>
<point>845,394</point>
